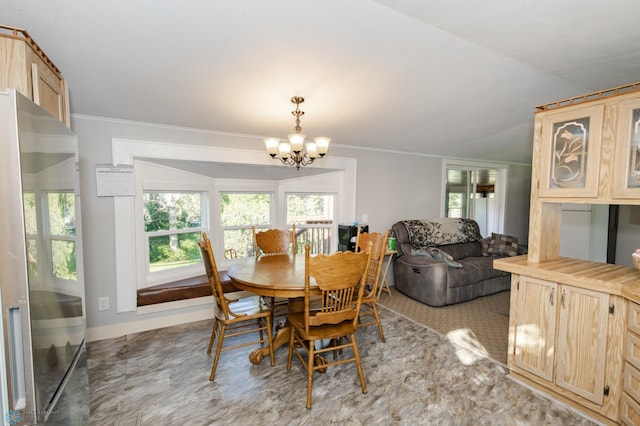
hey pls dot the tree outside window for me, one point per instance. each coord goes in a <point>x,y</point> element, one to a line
<point>173,226</point>
<point>62,230</point>
<point>313,216</point>
<point>239,212</point>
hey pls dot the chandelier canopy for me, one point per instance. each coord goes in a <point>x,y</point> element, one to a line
<point>291,153</point>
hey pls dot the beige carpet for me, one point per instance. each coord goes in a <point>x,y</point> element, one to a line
<point>481,324</point>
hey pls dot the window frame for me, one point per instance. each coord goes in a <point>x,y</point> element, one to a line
<point>181,272</point>
<point>238,186</point>
<point>170,180</point>
<point>496,221</point>
<point>332,227</point>
<point>50,237</point>
<point>224,228</point>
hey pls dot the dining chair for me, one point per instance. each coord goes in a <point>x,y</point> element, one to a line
<point>374,272</point>
<point>340,279</point>
<point>272,242</point>
<point>233,317</point>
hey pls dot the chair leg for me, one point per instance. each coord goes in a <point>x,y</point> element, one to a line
<point>292,331</point>
<point>358,364</point>
<point>218,350</point>
<point>213,335</point>
<point>374,307</point>
<point>273,309</point>
<point>310,364</point>
<point>270,337</point>
<point>259,323</point>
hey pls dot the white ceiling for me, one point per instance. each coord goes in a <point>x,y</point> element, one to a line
<point>443,77</point>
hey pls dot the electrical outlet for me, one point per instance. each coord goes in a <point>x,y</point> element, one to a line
<point>365,218</point>
<point>103,303</point>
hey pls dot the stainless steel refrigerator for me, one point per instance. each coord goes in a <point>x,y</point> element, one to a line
<point>43,318</point>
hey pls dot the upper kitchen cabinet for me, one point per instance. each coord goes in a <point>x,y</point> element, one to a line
<point>26,68</point>
<point>570,152</point>
<point>627,154</point>
<point>587,149</point>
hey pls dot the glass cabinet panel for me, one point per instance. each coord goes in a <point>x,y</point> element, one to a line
<point>633,180</point>
<point>626,173</point>
<point>570,153</point>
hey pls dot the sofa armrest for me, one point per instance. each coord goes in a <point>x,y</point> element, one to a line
<point>422,278</point>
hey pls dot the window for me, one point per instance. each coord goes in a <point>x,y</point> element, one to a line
<point>239,212</point>
<point>172,227</point>
<point>61,221</point>
<point>313,216</point>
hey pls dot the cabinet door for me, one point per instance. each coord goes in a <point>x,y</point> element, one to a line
<point>570,153</point>
<point>582,342</point>
<point>48,90</point>
<point>626,174</point>
<point>535,326</point>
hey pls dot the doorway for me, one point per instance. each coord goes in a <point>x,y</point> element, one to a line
<point>475,191</point>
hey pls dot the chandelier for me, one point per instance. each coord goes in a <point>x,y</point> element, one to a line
<point>291,152</point>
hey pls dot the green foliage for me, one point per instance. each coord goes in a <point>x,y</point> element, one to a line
<point>62,213</point>
<point>62,223</point>
<point>172,211</point>
<point>164,211</point>
<point>239,209</point>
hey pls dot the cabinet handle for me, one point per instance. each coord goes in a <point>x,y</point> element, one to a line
<point>552,296</point>
<point>562,299</point>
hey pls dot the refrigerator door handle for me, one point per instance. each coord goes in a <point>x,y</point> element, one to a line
<point>16,359</point>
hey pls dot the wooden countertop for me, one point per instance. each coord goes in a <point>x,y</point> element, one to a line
<point>613,279</point>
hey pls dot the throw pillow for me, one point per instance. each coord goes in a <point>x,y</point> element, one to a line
<point>502,245</point>
<point>485,246</point>
<point>438,254</point>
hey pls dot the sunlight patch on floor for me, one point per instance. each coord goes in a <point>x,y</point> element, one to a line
<point>466,338</point>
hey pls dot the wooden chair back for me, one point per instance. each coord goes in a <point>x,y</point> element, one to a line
<point>340,278</point>
<point>210,267</point>
<point>378,248</point>
<point>274,241</point>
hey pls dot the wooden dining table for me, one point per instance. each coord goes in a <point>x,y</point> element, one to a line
<point>272,276</point>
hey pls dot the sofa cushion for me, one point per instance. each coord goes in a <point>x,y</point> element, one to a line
<point>474,270</point>
<point>502,245</point>
<point>462,250</point>
<point>440,231</point>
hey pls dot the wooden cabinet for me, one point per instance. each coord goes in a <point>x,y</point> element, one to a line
<point>626,175</point>
<point>630,405</point>
<point>536,326</point>
<point>589,150</point>
<point>561,336</point>
<point>582,342</point>
<point>570,152</point>
<point>26,68</point>
<point>574,325</point>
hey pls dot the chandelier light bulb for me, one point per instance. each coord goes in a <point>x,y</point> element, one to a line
<point>284,150</point>
<point>322,143</point>
<point>271,144</point>
<point>312,150</point>
<point>296,140</point>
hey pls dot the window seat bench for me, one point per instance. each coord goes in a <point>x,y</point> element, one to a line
<point>188,288</point>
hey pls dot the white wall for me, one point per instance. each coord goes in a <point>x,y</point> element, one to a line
<point>628,239</point>
<point>390,186</point>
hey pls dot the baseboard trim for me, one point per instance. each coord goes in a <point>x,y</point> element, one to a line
<point>118,330</point>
